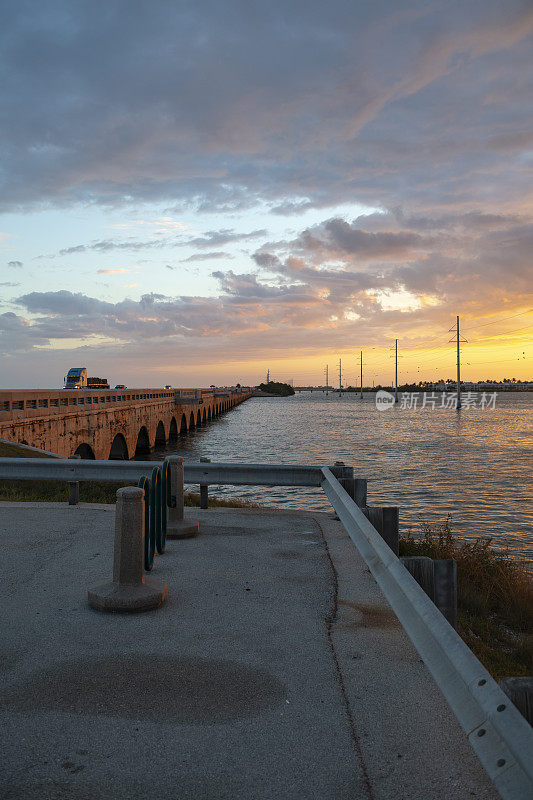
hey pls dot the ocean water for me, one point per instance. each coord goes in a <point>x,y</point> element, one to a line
<point>474,465</point>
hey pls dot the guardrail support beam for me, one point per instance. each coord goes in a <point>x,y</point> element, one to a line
<point>386,520</point>
<point>129,591</point>
<point>520,692</point>
<point>74,489</point>
<point>204,488</point>
<point>438,578</point>
<point>177,526</point>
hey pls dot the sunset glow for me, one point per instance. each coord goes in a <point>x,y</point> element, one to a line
<point>210,211</point>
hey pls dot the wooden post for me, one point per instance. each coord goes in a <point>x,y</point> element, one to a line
<point>438,578</point>
<point>386,520</point>
<point>520,693</point>
<point>445,588</point>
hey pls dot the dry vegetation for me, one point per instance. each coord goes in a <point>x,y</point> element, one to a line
<point>494,598</point>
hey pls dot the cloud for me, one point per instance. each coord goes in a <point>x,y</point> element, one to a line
<point>207,256</point>
<point>419,112</point>
<point>111,271</point>
<point>107,245</point>
<point>15,264</point>
<point>222,237</point>
<point>360,102</point>
<point>9,283</point>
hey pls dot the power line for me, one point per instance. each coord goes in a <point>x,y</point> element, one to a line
<point>502,319</point>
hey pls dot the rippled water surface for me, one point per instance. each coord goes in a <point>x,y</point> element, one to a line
<point>474,465</point>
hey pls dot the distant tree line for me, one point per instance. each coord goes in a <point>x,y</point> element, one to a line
<point>276,388</point>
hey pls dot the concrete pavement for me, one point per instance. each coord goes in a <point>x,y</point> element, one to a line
<point>276,669</point>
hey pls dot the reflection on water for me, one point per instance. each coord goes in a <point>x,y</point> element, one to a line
<point>474,465</point>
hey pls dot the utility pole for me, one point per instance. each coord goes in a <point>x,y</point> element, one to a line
<point>458,369</point>
<point>396,375</point>
<point>340,378</point>
<point>458,341</point>
<point>361,374</point>
<point>327,380</point>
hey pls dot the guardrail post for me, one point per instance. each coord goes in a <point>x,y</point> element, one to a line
<point>445,588</point>
<point>438,578</point>
<point>520,693</point>
<point>355,487</point>
<point>129,590</point>
<point>421,568</point>
<point>74,489</point>
<point>386,520</point>
<point>204,498</point>
<point>177,526</point>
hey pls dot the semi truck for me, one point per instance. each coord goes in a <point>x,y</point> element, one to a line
<point>76,378</point>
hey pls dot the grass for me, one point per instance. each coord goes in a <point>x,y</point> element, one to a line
<point>494,598</point>
<point>12,450</point>
<point>93,492</point>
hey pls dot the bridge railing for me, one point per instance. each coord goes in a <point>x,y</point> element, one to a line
<point>500,736</point>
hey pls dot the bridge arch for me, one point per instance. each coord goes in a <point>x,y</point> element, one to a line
<point>209,414</point>
<point>198,419</point>
<point>143,442</point>
<point>192,423</point>
<point>173,430</point>
<point>160,437</point>
<point>183,425</point>
<point>204,417</point>
<point>119,449</point>
<point>84,451</point>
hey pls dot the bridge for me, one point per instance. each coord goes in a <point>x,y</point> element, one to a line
<point>109,423</point>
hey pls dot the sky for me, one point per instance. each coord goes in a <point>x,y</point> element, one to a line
<point>196,192</point>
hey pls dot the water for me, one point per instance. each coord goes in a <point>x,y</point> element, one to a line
<point>474,465</point>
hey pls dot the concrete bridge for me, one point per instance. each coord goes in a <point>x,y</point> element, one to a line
<point>109,423</point>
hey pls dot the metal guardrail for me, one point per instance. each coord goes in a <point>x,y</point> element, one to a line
<point>500,736</point>
<point>130,471</point>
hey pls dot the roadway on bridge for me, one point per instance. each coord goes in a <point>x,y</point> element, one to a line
<point>276,669</point>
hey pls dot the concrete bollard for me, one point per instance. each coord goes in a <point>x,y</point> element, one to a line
<point>74,489</point>
<point>438,578</point>
<point>177,526</point>
<point>129,590</point>
<point>204,497</point>
<point>520,693</point>
<point>386,520</point>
